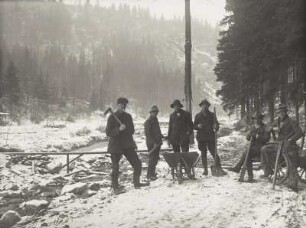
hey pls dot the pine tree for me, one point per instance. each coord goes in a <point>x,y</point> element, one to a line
<point>12,86</point>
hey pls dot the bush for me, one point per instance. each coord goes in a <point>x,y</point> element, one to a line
<point>83,131</point>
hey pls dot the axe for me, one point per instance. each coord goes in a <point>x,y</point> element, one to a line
<point>109,110</point>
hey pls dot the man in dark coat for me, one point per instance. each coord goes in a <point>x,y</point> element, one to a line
<point>180,128</point>
<point>153,141</point>
<point>121,142</point>
<point>288,132</point>
<point>206,126</point>
<point>260,135</point>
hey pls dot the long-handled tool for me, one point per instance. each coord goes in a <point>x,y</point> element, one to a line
<point>244,167</point>
<point>279,150</point>
<point>109,110</point>
<point>216,170</point>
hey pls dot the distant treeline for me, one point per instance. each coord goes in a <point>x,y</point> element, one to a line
<point>51,52</point>
<point>262,55</point>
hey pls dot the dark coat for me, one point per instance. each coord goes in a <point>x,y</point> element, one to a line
<point>261,135</point>
<point>289,129</point>
<point>180,127</point>
<point>120,140</point>
<point>152,131</point>
<point>206,133</point>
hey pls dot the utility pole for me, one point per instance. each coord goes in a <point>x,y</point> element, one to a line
<point>188,47</point>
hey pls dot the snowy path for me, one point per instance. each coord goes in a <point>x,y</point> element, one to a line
<point>205,202</point>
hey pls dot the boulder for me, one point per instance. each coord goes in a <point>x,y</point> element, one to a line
<point>94,186</point>
<point>89,193</point>
<point>77,188</point>
<point>9,219</point>
<point>33,206</point>
<point>54,167</point>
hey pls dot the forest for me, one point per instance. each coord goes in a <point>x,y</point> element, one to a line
<point>261,55</point>
<point>58,58</point>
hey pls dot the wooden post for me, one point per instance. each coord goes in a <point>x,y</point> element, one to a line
<point>67,161</point>
<point>33,166</point>
<point>188,47</point>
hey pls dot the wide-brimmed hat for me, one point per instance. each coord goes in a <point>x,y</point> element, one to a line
<point>258,116</point>
<point>205,101</point>
<point>122,100</point>
<point>154,108</point>
<point>282,107</point>
<point>176,102</point>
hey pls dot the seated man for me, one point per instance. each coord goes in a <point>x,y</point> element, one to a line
<point>260,136</point>
<point>288,132</point>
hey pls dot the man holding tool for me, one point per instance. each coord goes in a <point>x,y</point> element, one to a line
<point>120,129</point>
<point>288,133</point>
<point>153,140</point>
<point>207,125</point>
<point>258,137</point>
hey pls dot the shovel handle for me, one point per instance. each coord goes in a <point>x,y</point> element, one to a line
<point>279,150</point>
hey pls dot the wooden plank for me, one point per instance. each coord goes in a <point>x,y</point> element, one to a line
<point>71,153</point>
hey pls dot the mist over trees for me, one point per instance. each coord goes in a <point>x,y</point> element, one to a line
<point>262,55</point>
<point>56,55</point>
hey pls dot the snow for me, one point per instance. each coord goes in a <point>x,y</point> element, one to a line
<point>74,188</point>
<point>35,203</point>
<point>37,137</point>
<point>205,202</point>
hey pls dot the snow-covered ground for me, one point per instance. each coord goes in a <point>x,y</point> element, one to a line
<point>59,136</point>
<point>204,202</point>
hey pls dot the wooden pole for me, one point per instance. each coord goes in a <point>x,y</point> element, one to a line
<point>188,47</point>
<point>67,158</point>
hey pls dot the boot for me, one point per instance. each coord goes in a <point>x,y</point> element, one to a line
<point>118,189</point>
<point>204,162</point>
<point>137,184</point>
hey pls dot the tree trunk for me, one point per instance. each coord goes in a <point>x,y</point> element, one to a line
<point>271,108</point>
<point>242,108</point>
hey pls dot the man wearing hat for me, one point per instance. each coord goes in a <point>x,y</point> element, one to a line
<point>153,141</point>
<point>206,126</point>
<point>288,132</point>
<point>180,128</point>
<point>120,143</point>
<point>259,135</point>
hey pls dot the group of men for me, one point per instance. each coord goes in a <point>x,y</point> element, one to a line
<point>288,132</point>
<point>120,129</point>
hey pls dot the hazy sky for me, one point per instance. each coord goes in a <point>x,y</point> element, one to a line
<point>210,10</point>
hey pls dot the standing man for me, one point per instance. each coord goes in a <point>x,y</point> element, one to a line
<point>153,141</point>
<point>206,126</point>
<point>288,132</point>
<point>259,136</point>
<point>180,128</point>
<point>121,142</point>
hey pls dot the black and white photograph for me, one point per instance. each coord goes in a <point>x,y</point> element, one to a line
<point>152,113</point>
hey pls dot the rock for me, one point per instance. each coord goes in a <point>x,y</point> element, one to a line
<point>89,193</point>
<point>4,193</point>
<point>77,188</point>
<point>94,186</point>
<point>11,194</point>
<point>105,183</point>
<point>9,219</point>
<point>33,206</point>
<point>44,224</point>
<point>54,167</point>
<point>14,187</point>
